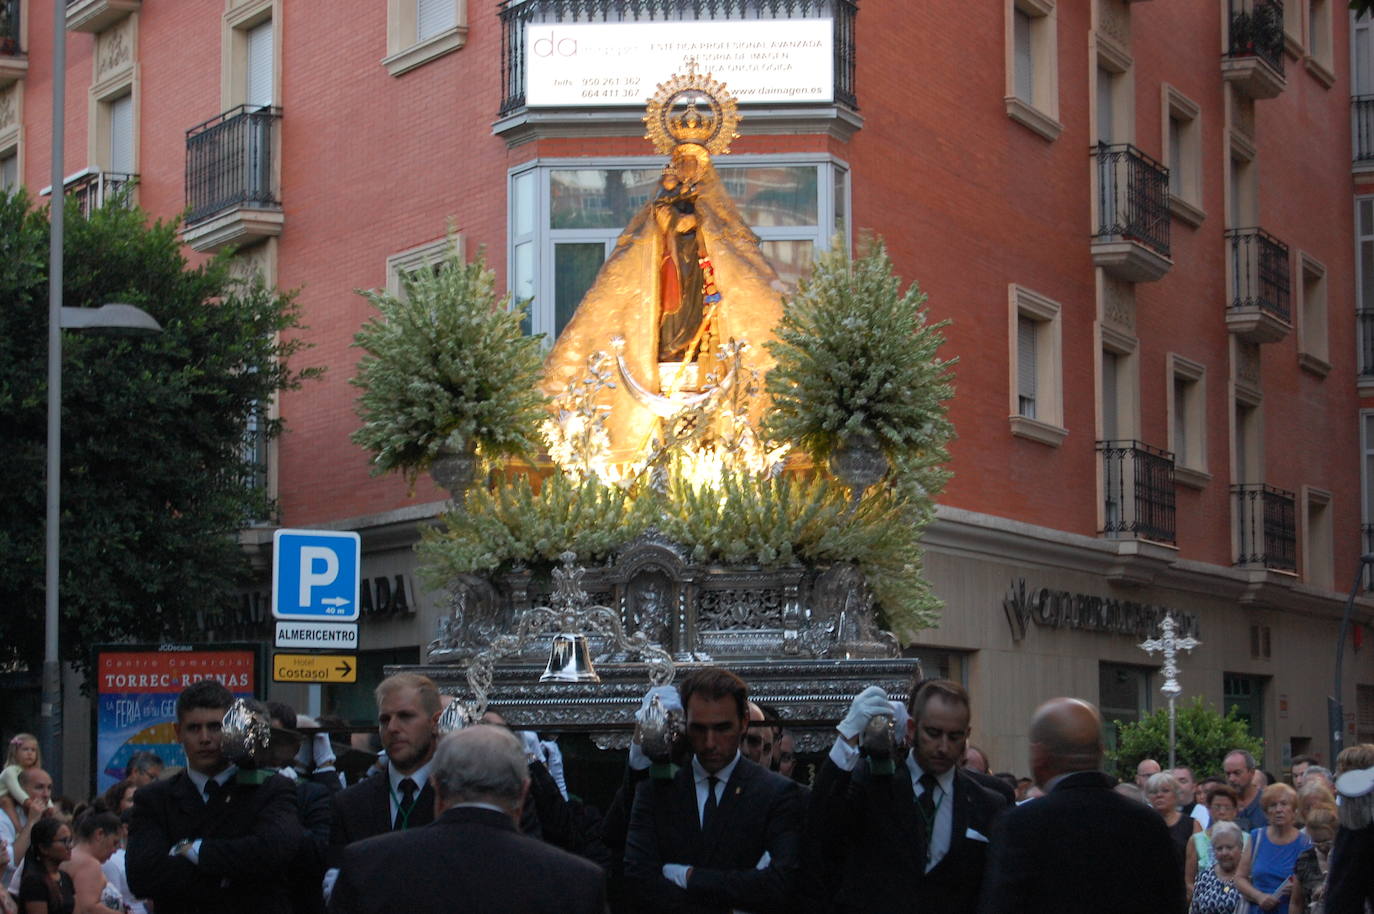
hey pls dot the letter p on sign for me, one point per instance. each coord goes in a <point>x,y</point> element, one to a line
<point>316,575</point>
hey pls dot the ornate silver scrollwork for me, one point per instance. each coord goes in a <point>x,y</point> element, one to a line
<point>570,613</point>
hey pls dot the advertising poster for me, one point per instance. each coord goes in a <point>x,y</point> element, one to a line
<point>136,693</point>
<point>622,63</point>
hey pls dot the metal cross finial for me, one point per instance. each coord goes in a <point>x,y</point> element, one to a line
<point>1170,645</point>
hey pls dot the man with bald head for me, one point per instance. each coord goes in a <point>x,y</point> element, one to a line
<point>1081,847</point>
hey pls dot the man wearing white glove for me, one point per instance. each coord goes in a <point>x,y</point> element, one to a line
<point>696,842</point>
<point>913,839</point>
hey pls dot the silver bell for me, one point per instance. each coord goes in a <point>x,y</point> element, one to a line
<point>570,660</point>
<point>245,732</point>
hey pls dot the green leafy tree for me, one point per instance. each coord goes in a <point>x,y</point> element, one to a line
<point>447,367</point>
<point>1202,738</point>
<point>156,480</point>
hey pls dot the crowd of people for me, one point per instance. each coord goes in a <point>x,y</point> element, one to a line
<point>902,814</point>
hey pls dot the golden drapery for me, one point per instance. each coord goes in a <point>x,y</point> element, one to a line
<point>624,301</point>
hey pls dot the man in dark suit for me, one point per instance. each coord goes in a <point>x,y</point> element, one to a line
<point>721,834</point>
<point>401,796</point>
<point>471,858</point>
<point>216,837</point>
<point>1081,847</point>
<point>914,835</point>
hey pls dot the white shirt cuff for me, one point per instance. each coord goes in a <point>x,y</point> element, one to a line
<point>844,755</point>
<point>676,873</point>
<point>193,852</point>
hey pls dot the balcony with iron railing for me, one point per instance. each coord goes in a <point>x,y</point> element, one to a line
<point>518,120</point>
<point>1138,489</point>
<point>97,15</point>
<point>95,189</point>
<point>1266,536</point>
<point>1362,133</point>
<point>1253,61</point>
<point>1131,234</point>
<point>231,183</point>
<point>1259,279</point>
<point>14,63</point>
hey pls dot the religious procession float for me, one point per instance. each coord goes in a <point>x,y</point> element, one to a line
<point>706,467</point>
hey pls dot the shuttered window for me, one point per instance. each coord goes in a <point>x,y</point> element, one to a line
<point>1025,366</point>
<point>122,135</point>
<point>259,88</point>
<point>433,17</point>
<point>1025,64</point>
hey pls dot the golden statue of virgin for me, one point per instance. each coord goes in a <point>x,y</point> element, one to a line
<point>686,278</point>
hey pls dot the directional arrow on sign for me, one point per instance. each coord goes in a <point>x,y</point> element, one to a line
<point>344,668</point>
<point>335,601</point>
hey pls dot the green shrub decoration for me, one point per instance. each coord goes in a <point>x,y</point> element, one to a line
<point>1202,737</point>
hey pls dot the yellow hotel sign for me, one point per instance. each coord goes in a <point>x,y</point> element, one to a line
<point>314,668</point>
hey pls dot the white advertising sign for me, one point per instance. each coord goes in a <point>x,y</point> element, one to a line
<point>622,63</point>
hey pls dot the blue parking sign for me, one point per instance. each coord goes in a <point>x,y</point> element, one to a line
<point>316,575</point>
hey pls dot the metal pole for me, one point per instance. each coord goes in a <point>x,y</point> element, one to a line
<point>1335,713</point>
<point>50,710</point>
<point>1172,718</point>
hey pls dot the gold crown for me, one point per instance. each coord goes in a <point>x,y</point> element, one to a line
<point>670,124</point>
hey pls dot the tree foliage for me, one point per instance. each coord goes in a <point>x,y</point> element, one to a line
<point>447,366</point>
<point>155,477</point>
<point>1202,738</point>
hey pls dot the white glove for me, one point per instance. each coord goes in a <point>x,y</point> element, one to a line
<point>899,721</point>
<point>553,760</point>
<point>323,750</point>
<point>531,743</point>
<point>868,704</point>
<point>668,699</point>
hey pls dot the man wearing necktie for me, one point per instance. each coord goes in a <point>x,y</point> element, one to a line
<point>914,839</point>
<point>213,838</point>
<point>723,834</point>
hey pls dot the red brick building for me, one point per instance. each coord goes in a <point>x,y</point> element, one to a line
<point>1137,215</point>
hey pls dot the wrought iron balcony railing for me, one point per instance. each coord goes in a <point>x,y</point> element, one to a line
<point>1367,541</point>
<point>1260,274</point>
<point>96,188</point>
<point>1256,30</point>
<point>229,161</point>
<point>1133,197</point>
<point>1139,487</point>
<point>9,27</point>
<point>1266,535</point>
<point>1362,128</point>
<point>516,14</point>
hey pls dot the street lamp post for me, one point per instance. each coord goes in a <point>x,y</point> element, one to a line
<point>1335,713</point>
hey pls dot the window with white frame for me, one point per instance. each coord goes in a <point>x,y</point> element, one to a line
<point>1320,62</point>
<point>120,154</point>
<point>1032,64</point>
<point>1317,556</point>
<point>1188,420</point>
<point>258,88</point>
<point>565,217</point>
<point>428,256</point>
<point>418,31</point>
<point>1313,351</point>
<point>1036,378</point>
<point>1183,133</point>
<point>1367,469</point>
<point>9,171</point>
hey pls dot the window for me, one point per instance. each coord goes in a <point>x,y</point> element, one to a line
<point>1319,61</point>
<point>1183,130</point>
<point>1293,15</point>
<point>1248,460</point>
<point>250,62</point>
<point>1364,263</point>
<point>1037,402</point>
<point>1032,63</point>
<point>1317,556</point>
<point>1364,714</point>
<point>1188,420</point>
<point>940,664</point>
<point>259,82</point>
<point>1246,695</point>
<point>112,107</point>
<point>1123,695</point>
<point>1313,353</point>
<point>1242,210</point>
<point>429,255</point>
<point>1367,468</point>
<point>121,152</point>
<point>9,171</point>
<point>565,218</point>
<point>418,31</point>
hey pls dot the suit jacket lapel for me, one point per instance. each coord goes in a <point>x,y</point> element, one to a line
<point>381,802</point>
<point>685,819</point>
<point>906,815</point>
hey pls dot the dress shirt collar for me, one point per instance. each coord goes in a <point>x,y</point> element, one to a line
<point>946,780</point>
<point>420,776</point>
<point>723,775</point>
<point>200,780</point>
<point>492,806</point>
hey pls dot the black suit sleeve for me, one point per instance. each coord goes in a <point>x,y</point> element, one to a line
<point>269,844</point>
<point>152,873</point>
<point>767,889</point>
<point>825,841</point>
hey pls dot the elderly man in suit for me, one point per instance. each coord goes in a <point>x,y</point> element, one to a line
<point>214,838</point>
<point>915,834</point>
<point>472,858</point>
<point>399,797</point>
<point>724,832</point>
<point>1081,847</point>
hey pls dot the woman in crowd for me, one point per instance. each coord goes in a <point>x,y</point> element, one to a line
<point>1309,872</point>
<point>1311,797</point>
<point>1266,872</point>
<point>1222,805</point>
<point>44,888</point>
<point>120,797</point>
<point>1215,890</point>
<point>97,836</point>
<point>1166,795</point>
